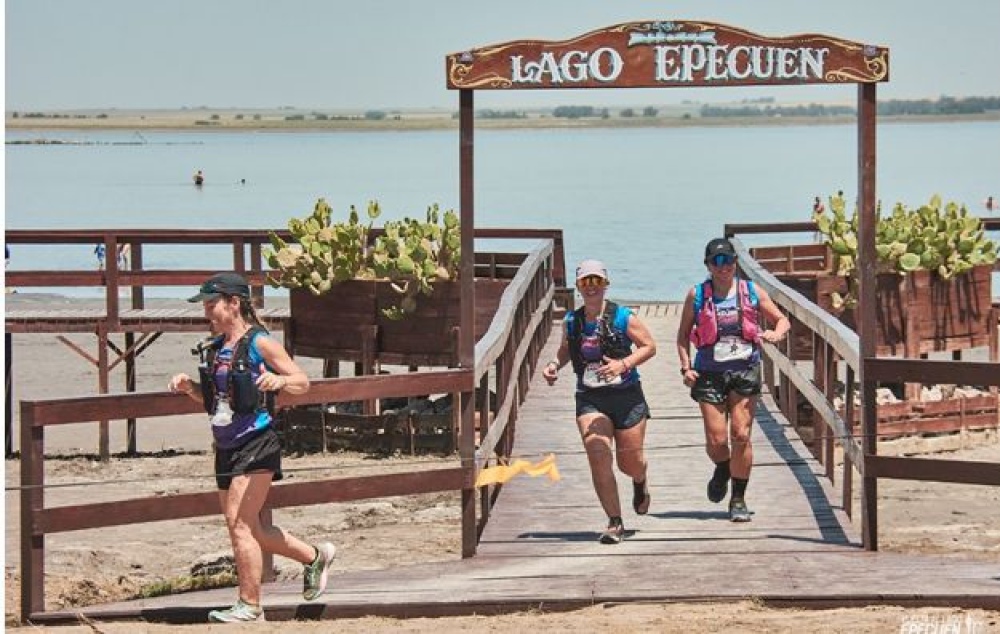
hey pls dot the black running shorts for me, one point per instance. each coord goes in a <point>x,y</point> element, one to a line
<point>261,453</point>
<point>714,387</point>
<point>626,407</point>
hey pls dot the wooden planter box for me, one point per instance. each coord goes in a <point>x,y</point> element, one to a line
<point>919,312</point>
<point>943,315</point>
<point>345,322</point>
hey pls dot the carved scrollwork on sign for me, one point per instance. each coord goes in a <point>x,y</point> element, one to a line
<point>459,77</point>
<point>877,69</point>
<point>668,53</point>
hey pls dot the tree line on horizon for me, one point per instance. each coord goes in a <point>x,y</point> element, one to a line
<point>893,107</point>
<point>764,107</point>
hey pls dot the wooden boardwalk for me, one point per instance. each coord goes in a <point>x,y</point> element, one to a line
<point>540,547</point>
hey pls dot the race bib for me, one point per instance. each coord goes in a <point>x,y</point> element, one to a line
<point>591,377</point>
<point>732,349</point>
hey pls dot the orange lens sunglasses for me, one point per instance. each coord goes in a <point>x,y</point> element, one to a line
<point>591,281</point>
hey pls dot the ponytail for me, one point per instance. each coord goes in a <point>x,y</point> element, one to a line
<point>248,312</point>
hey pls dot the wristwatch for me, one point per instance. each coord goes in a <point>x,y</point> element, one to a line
<point>685,371</point>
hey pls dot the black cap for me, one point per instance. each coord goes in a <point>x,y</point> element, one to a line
<point>222,284</point>
<point>719,246</point>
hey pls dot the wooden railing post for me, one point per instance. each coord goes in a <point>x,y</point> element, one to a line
<point>819,428</point>
<point>103,387</point>
<point>850,421</point>
<point>9,395</point>
<point>130,424</point>
<point>830,389</point>
<point>32,504</point>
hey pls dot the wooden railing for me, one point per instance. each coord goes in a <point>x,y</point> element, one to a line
<point>833,342</point>
<point>511,347</point>
<point>525,308</point>
<point>247,257</point>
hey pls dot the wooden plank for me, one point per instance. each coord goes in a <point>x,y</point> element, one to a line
<point>934,470</point>
<point>153,509</point>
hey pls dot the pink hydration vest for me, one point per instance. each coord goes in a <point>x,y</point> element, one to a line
<point>706,326</point>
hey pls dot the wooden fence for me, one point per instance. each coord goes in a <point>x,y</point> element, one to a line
<point>510,348</point>
<point>833,343</point>
<point>141,326</point>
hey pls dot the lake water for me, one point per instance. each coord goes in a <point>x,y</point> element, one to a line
<point>644,200</point>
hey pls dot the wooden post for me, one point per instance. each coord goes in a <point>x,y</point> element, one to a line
<point>9,395</point>
<point>483,428</point>
<point>466,350</point>
<point>135,264</point>
<point>820,430</point>
<point>369,337</point>
<point>103,384</point>
<point>867,323</point>
<point>848,489</point>
<point>829,388</point>
<point>995,354</point>
<point>256,266</point>
<point>911,350</point>
<point>111,282</point>
<point>130,424</point>
<point>32,504</point>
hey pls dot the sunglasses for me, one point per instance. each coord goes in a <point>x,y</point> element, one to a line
<point>722,259</point>
<point>592,281</point>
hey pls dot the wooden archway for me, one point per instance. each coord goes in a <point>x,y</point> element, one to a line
<point>677,54</point>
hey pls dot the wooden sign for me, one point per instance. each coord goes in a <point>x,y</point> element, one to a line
<point>667,54</point>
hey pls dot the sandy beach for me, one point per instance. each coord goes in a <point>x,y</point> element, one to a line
<point>96,566</point>
<point>291,120</point>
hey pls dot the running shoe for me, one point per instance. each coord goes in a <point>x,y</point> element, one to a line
<point>738,511</point>
<point>640,497</point>
<point>314,575</point>
<point>717,489</point>
<point>614,533</point>
<point>241,612</point>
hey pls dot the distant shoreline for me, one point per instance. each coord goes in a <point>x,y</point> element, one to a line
<point>188,121</point>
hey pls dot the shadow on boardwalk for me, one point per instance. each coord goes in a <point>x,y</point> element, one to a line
<point>540,546</point>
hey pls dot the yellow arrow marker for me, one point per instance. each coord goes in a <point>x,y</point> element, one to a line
<point>503,473</point>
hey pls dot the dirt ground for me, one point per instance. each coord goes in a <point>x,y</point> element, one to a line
<point>109,564</point>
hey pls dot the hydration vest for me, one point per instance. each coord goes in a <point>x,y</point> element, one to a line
<point>241,389</point>
<point>613,342</point>
<point>706,325</point>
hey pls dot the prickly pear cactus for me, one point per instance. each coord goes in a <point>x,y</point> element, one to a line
<point>937,237</point>
<point>413,255</point>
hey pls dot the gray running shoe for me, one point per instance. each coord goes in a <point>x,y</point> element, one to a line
<point>614,533</point>
<point>738,511</point>
<point>241,612</point>
<point>314,575</point>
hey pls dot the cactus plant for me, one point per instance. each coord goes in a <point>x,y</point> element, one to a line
<point>410,254</point>
<point>937,237</point>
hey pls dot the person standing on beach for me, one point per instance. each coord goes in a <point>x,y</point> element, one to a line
<point>199,178</point>
<point>244,369</point>
<point>124,250</point>
<point>818,207</point>
<point>722,317</point>
<point>606,343</point>
<point>99,251</point>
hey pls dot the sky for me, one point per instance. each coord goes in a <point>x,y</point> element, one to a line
<point>385,54</point>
